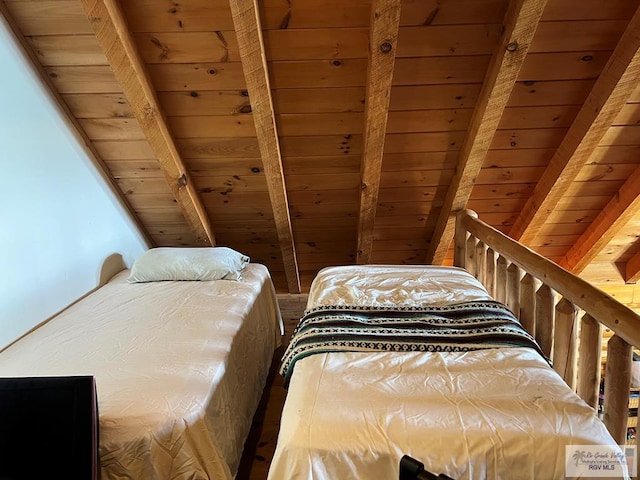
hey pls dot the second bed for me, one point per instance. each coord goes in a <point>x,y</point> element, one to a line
<point>498,412</point>
<point>179,367</point>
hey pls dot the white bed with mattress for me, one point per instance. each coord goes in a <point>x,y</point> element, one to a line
<point>490,413</point>
<point>179,366</point>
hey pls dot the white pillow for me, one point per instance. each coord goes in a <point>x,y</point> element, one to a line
<point>205,263</point>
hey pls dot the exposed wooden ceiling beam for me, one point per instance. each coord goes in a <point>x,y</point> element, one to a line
<point>520,24</point>
<point>632,269</point>
<point>620,209</point>
<point>383,36</point>
<point>72,123</point>
<point>248,29</point>
<point>110,28</point>
<point>615,84</point>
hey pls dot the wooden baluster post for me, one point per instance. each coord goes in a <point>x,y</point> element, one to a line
<point>460,243</point>
<point>470,262</point>
<point>528,303</point>
<point>617,383</point>
<point>490,273</point>
<point>589,360</point>
<point>481,269</point>
<point>545,302</point>
<point>501,279</point>
<point>565,341</point>
<point>513,289</point>
<point>637,456</point>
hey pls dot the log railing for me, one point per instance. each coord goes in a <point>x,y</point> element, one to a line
<point>563,312</point>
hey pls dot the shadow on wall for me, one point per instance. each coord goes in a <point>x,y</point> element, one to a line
<point>111,265</point>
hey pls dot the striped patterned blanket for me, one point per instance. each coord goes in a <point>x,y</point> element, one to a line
<point>451,328</point>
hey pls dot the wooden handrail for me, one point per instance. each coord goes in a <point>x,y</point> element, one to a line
<point>550,313</point>
<point>602,307</point>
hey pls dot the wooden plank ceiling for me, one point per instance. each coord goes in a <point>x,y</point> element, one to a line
<point>309,133</point>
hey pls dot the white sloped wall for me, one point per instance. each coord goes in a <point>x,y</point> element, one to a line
<point>59,220</point>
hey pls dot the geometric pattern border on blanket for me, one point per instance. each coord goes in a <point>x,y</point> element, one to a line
<point>445,328</point>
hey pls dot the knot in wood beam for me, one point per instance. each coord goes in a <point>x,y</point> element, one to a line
<point>148,111</point>
<point>386,47</point>
<point>512,47</point>
<point>182,180</point>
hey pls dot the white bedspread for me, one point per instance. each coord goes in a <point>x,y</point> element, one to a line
<point>489,414</point>
<point>179,366</point>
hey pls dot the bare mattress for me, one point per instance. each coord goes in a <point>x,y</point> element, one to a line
<point>491,413</point>
<point>179,368</point>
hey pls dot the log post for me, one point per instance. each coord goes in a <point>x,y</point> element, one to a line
<point>589,360</point>
<point>637,456</point>
<point>513,289</point>
<point>617,383</point>
<point>501,279</point>
<point>481,269</point>
<point>490,275</point>
<point>545,301</point>
<point>470,261</point>
<point>460,243</point>
<point>565,351</point>
<point>528,304</point>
